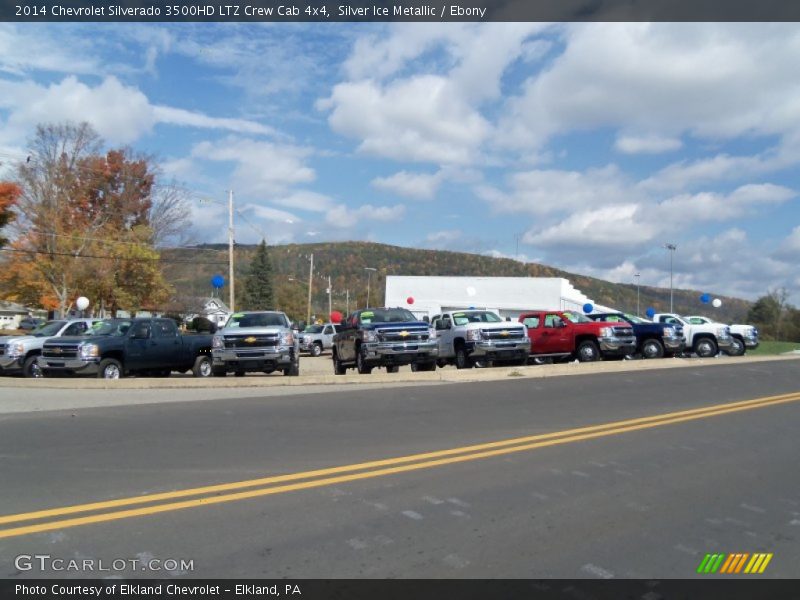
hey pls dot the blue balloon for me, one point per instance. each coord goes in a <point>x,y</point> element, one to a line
<point>472,308</point>
<point>217,281</point>
<point>587,308</point>
<point>650,312</point>
<point>705,298</point>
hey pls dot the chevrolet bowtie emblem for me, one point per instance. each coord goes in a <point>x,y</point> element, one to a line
<point>403,333</point>
<point>504,333</point>
<point>57,350</point>
<point>250,339</point>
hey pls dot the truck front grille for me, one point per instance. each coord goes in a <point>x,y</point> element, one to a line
<point>503,334</point>
<point>623,331</point>
<point>403,335</point>
<point>59,351</point>
<point>252,341</point>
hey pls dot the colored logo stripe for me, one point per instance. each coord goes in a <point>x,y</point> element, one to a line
<point>734,563</point>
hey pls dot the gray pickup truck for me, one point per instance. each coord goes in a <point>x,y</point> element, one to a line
<point>476,338</point>
<point>317,338</point>
<point>256,341</point>
<point>18,354</point>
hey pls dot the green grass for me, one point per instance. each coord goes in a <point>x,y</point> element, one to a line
<point>769,348</point>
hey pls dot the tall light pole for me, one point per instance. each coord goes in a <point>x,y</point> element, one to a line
<point>369,271</point>
<point>637,275</point>
<point>671,248</point>
<point>310,283</point>
<point>230,245</point>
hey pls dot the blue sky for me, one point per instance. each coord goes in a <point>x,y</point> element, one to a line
<point>587,146</point>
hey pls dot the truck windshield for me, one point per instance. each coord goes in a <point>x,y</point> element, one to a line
<point>314,329</point>
<point>576,318</point>
<point>482,316</point>
<point>265,319</point>
<point>113,327</point>
<point>634,319</point>
<point>387,315</point>
<point>48,329</point>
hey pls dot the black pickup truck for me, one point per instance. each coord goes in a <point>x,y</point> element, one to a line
<point>117,347</point>
<point>653,340</point>
<point>384,337</point>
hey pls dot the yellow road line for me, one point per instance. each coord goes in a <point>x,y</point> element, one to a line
<point>227,487</point>
<point>564,439</point>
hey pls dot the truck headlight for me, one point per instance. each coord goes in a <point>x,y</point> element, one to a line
<point>606,332</point>
<point>15,349</point>
<point>287,339</point>
<point>474,335</point>
<point>87,351</point>
<point>669,332</point>
<point>218,342</point>
<point>369,335</point>
<point>723,331</point>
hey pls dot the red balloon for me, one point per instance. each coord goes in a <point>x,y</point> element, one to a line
<point>336,317</point>
<point>410,299</point>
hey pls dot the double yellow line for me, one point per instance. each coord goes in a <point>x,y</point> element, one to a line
<point>113,510</point>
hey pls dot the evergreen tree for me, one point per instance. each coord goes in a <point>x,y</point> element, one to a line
<point>259,284</point>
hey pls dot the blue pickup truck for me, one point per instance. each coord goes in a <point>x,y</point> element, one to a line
<point>653,340</point>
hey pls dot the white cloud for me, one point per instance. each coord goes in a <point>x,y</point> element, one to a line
<point>24,48</point>
<point>343,217</point>
<point>611,226</point>
<point>649,144</point>
<point>186,118</point>
<point>410,185</point>
<point>306,200</point>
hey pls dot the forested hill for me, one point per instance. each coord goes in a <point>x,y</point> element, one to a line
<point>344,262</point>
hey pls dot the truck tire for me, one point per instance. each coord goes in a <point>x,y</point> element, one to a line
<point>738,348</point>
<point>652,348</point>
<point>219,371</point>
<point>316,349</point>
<point>393,368</point>
<point>110,368</point>
<point>462,360</point>
<point>706,347</point>
<point>588,351</point>
<point>30,368</point>
<point>293,370</point>
<point>361,364</point>
<point>338,367</point>
<point>202,366</point>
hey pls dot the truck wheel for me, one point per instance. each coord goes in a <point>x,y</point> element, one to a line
<point>31,368</point>
<point>462,360</point>
<point>738,348</point>
<point>705,348</point>
<point>542,360</point>
<point>316,349</point>
<point>293,371</point>
<point>652,348</point>
<point>110,368</point>
<point>219,371</point>
<point>338,367</point>
<point>395,368</point>
<point>202,366</point>
<point>588,351</point>
<point>361,364</point>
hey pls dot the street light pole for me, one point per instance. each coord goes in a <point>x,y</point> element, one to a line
<point>671,248</point>
<point>310,275</point>
<point>230,246</point>
<point>637,275</point>
<point>369,271</point>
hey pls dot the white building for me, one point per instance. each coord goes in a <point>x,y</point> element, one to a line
<point>507,296</point>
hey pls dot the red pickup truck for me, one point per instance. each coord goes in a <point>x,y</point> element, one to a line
<point>560,334</point>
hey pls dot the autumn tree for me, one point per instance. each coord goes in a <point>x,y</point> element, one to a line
<point>9,195</point>
<point>258,285</point>
<point>84,223</point>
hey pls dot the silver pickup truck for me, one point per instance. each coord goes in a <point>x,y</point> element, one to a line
<point>18,354</point>
<point>317,338</point>
<point>256,341</point>
<point>469,338</point>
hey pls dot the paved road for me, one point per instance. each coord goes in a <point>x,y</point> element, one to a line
<point>640,498</point>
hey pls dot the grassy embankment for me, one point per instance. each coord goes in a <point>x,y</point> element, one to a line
<point>769,348</point>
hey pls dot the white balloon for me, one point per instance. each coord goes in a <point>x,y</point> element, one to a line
<point>716,303</point>
<point>82,303</point>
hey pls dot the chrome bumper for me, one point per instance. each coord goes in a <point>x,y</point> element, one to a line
<point>279,355</point>
<point>491,348</point>
<point>618,345</point>
<point>75,365</point>
<point>377,350</point>
<point>674,344</point>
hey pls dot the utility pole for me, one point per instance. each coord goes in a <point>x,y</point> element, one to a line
<point>369,271</point>
<point>671,248</point>
<point>310,275</point>
<point>637,275</point>
<point>347,303</point>
<point>330,293</point>
<point>230,246</point>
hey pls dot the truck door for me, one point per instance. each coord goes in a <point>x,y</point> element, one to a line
<point>555,335</point>
<point>167,351</point>
<point>137,346</point>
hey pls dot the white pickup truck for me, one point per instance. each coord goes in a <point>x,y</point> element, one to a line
<point>745,337</point>
<point>316,338</point>
<point>470,338</point>
<point>705,340</point>
<point>18,354</point>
